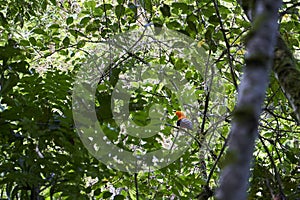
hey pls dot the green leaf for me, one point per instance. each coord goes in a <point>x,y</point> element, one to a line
<point>119,197</point>
<point>192,26</point>
<point>20,66</point>
<point>69,20</point>
<point>8,188</point>
<point>178,183</point>
<point>180,6</point>
<point>90,4</point>
<point>24,43</point>
<point>66,41</point>
<point>291,157</point>
<point>32,41</point>
<point>97,192</point>
<point>39,31</point>
<point>9,83</point>
<point>84,21</point>
<point>44,5</point>
<point>91,28</point>
<point>3,20</point>
<point>192,18</point>
<point>165,10</point>
<point>208,33</point>
<point>53,2</point>
<point>98,12</point>
<point>54,26</point>
<point>107,194</point>
<point>107,7</point>
<point>64,52</point>
<point>147,5</point>
<point>80,44</point>
<point>133,7</point>
<point>119,10</point>
<point>214,20</point>
<point>74,33</point>
<point>173,25</point>
<point>188,74</point>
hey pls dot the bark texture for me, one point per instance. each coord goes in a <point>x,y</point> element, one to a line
<point>285,66</point>
<point>259,60</point>
<point>285,69</point>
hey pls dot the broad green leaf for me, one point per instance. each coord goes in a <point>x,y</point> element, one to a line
<point>97,192</point>
<point>74,33</point>
<point>32,41</point>
<point>147,5</point>
<point>107,7</point>
<point>173,25</point>
<point>133,7</point>
<point>24,43</point>
<point>81,44</point>
<point>214,20</point>
<point>165,9</point>
<point>54,26</point>
<point>180,6</point>
<point>91,27</point>
<point>98,12</point>
<point>119,197</point>
<point>90,4</point>
<point>192,26</point>
<point>66,41</point>
<point>69,20</point>
<point>20,66</point>
<point>84,21</point>
<point>119,10</point>
<point>106,194</point>
<point>39,31</point>
<point>3,20</point>
<point>53,2</point>
<point>9,83</point>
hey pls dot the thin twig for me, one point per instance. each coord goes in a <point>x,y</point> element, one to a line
<point>216,162</point>
<point>136,186</point>
<point>277,176</point>
<point>233,75</point>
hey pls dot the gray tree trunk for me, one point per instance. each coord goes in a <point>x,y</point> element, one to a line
<point>285,66</point>
<point>285,69</point>
<point>259,59</point>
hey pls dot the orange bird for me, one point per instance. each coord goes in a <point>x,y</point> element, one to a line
<point>183,122</point>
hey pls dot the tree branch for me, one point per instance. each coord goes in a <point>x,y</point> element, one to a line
<point>260,51</point>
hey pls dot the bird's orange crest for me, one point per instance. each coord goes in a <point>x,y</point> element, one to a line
<point>180,115</point>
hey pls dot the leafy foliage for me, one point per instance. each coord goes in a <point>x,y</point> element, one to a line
<point>44,43</point>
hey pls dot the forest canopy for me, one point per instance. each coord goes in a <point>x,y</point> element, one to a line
<point>155,57</point>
